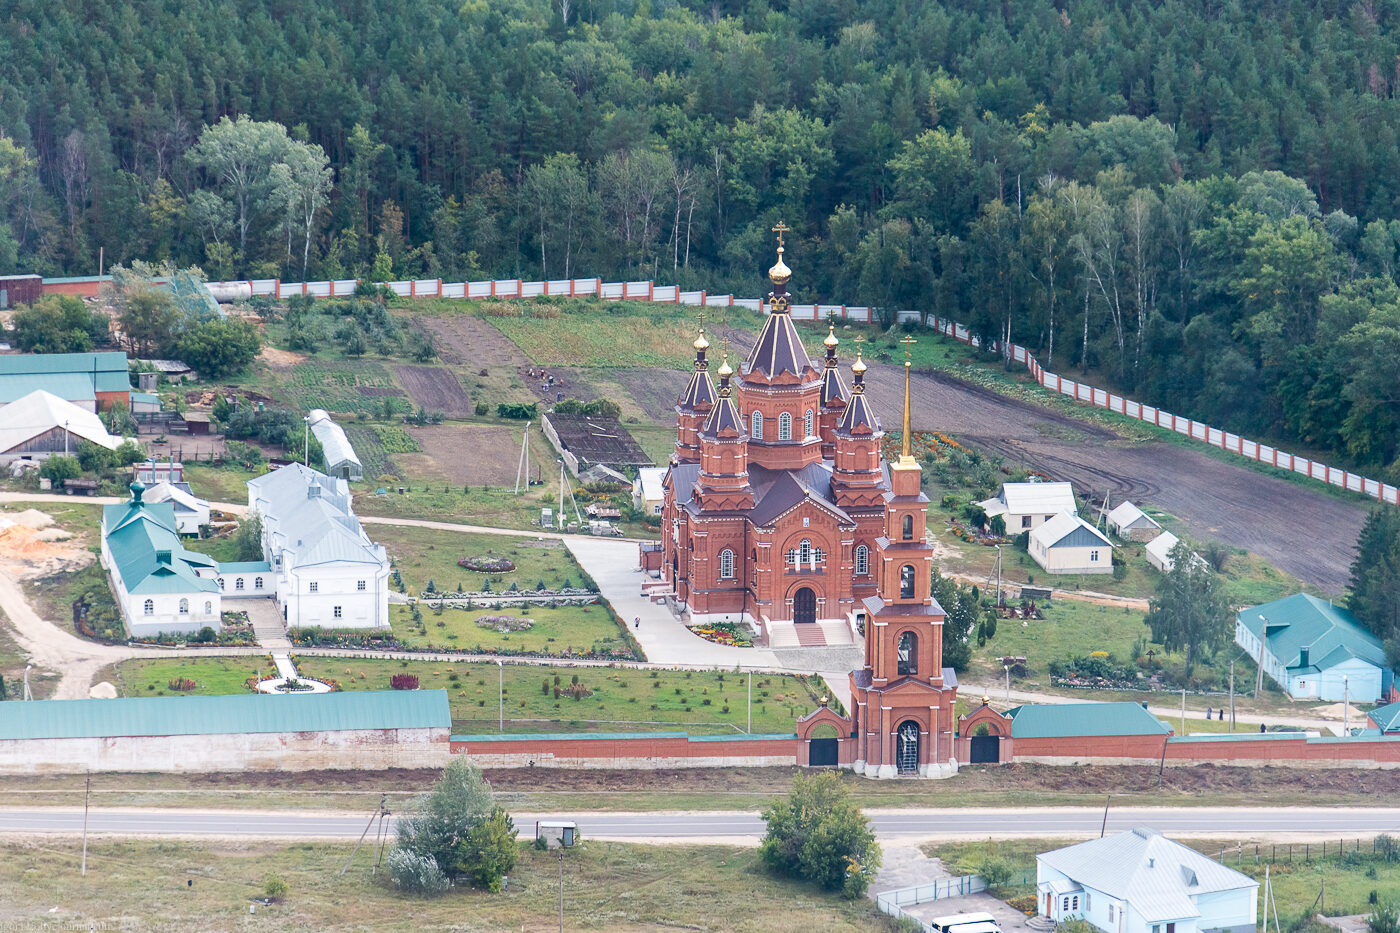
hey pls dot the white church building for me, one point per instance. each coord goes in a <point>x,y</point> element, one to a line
<point>328,573</point>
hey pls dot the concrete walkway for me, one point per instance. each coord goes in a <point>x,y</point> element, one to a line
<point>613,566</point>
<point>267,623</point>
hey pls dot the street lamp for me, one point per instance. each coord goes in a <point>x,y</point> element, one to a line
<point>501,692</point>
<point>306,441</point>
<point>65,437</point>
<point>1346,706</point>
<point>1007,668</point>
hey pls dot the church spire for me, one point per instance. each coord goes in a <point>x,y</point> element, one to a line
<point>905,456</point>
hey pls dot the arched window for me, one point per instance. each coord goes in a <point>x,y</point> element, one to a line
<point>906,581</point>
<point>804,551</point>
<point>208,607</point>
<point>753,566</point>
<point>908,527</point>
<point>862,560</point>
<point>756,420</point>
<point>184,607</point>
<point>726,564</point>
<point>150,607</point>
<point>908,653</point>
<point>809,421</point>
<point>238,583</point>
<point>785,427</point>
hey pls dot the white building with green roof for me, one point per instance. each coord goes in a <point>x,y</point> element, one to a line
<point>161,587</point>
<point>1314,650</point>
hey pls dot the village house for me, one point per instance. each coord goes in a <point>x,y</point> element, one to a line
<point>1027,506</point>
<point>1314,650</point>
<point>1069,544</point>
<point>1131,523</point>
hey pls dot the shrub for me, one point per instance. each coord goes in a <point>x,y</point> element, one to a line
<point>417,874</point>
<point>275,887</point>
<point>58,470</point>
<point>182,685</point>
<point>404,681</point>
<point>818,833</point>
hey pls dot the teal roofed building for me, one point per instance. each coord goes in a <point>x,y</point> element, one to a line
<point>161,587</point>
<point>92,381</point>
<point>1058,721</point>
<point>1314,650</point>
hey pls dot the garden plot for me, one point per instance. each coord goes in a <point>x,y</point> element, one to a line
<point>336,386</point>
<point>424,555</point>
<point>464,339</point>
<point>377,445</point>
<point>435,389</point>
<point>655,391</point>
<point>469,454</point>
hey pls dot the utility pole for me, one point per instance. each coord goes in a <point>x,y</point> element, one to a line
<point>1183,710</point>
<point>306,441</point>
<point>1232,696</point>
<point>1104,828</point>
<point>501,691</point>
<point>750,702</point>
<point>561,889</point>
<point>522,469</point>
<point>87,796</point>
<point>1007,668</point>
<point>1346,706</point>
<point>998,602</point>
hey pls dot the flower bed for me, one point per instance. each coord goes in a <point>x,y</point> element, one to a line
<point>482,564</point>
<point>383,641</point>
<point>724,633</point>
<point>505,624</point>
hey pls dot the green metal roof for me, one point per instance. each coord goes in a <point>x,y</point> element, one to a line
<point>104,372</point>
<point>1055,721</point>
<point>219,715</point>
<point>245,566</point>
<point>1386,718</point>
<point>1330,634</point>
<point>72,387</point>
<point>147,397</point>
<point>138,535</point>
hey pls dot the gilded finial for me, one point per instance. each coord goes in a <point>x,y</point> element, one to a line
<point>725,371</point>
<point>780,273</point>
<point>858,368</point>
<point>701,344</point>
<point>831,339</point>
<point>906,458</point>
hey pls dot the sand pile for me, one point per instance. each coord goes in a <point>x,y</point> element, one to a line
<point>30,553</point>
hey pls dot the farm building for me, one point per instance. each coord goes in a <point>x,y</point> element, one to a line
<point>41,424</point>
<point>92,381</point>
<point>1131,523</point>
<point>1314,650</point>
<point>1069,544</point>
<point>20,290</point>
<point>329,574</point>
<point>1385,719</point>
<point>174,370</point>
<point>154,471</point>
<point>1142,882</point>
<point>160,586</point>
<point>647,492</point>
<point>190,511</point>
<point>339,454</point>
<point>1027,506</point>
<point>1159,551</point>
<point>584,441</point>
<point>145,403</point>
<point>259,732</point>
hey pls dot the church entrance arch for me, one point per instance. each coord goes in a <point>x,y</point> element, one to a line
<point>804,605</point>
<point>907,747</point>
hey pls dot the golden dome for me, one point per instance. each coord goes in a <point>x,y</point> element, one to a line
<point>701,343</point>
<point>831,340</point>
<point>858,366</point>
<point>725,370</point>
<point>780,273</point>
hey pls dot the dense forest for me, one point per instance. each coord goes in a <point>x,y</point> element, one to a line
<point>1193,199</point>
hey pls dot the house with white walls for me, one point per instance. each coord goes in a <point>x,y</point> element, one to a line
<point>327,571</point>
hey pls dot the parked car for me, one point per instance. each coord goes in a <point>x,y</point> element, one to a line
<point>966,923</point>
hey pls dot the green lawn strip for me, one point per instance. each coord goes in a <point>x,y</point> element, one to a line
<point>621,700</point>
<point>429,554</point>
<point>223,549</point>
<point>212,676</point>
<point>565,631</point>
<point>219,483</point>
<point>499,507</point>
<point>1298,870</point>
<point>198,887</point>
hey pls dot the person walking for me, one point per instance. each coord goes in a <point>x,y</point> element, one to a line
<point>637,622</point>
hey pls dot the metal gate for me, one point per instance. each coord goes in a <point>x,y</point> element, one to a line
<point>986,749</point>
<point>822,752</point>
<point>908,748</point>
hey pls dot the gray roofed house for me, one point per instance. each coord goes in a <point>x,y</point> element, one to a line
<point>339,453</point>
<point>329,573</point>
<point>1130,522</point>
<point>1142,882</point>
<point>1068,544</point>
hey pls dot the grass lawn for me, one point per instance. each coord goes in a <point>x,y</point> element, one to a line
<point>568,629</point>
<point>1069,629</point>
<point>622,700</point>
<point>212,676</point>
<point>219,483</point>
<point>498,507</point>
<point>423,554</point>
<point>1297,878</point>
<point>223,549</point>
<point>607,886</point>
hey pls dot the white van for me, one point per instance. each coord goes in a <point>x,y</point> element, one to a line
<point>966,923</point>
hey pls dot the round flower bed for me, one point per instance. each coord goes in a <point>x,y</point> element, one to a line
<point>487,564</point>
<point>724,633</point>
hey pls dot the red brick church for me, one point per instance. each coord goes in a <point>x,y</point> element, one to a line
<point>780,511</point>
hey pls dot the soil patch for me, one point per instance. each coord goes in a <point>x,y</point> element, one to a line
<point>29,549</point>
<point>280,359</point>
<point>654,390</point>
<point>435,388</point>
<point>494,453</point>
<point>467,340</point>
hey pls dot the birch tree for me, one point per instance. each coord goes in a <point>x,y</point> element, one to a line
<point>239,155</point>
<point>302,184</point>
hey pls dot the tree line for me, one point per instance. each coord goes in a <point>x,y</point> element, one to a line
<point>1190,200</point>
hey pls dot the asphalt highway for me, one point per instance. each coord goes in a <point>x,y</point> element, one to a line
<point>735,826</point>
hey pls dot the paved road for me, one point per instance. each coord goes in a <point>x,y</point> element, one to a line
<point>737,826</point>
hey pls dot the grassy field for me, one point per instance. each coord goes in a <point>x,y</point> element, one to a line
<point>197,887</point>
<point>424,554</point>
<point>560,632</point>
<point>219,483</point>
<point>212,676</point>
<point>1069,629</point>
<point>1297,877</point>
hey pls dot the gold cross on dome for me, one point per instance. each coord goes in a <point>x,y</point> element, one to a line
<point>907,340</point>
<point>780,229</point>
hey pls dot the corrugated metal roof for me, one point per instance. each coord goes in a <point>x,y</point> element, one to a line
<point>1158,877</point>
<point>1069,530</point>
<point>650,479</point>
<point>1386,718</point>
<point>1161,546</point>
<point>1038,498</point>
<point>40,412</point>
<point>219,715</point>
<point>1055,721</point>
<point>307,516</point>
<point>334,444</point>
<point>1304,622</point>
<point>105,372</point>
<point>137,534</point>
<point>1126,515</point>
<point>245,566</point>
